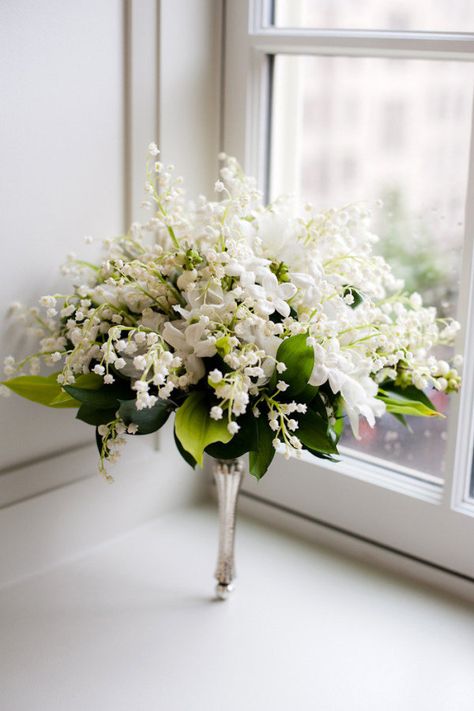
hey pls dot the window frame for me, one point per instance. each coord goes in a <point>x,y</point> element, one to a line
<point>410,511</point>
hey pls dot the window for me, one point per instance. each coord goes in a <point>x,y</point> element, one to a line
<point>319,105</point>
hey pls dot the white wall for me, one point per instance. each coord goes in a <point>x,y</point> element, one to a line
<point>61,173</point>
<point>85,86</point>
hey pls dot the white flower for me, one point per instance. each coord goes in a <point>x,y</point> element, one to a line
<point>109,379</point>
<point>416,301</point>
<point>233,427</point>
<point>140,362</point>
<point>48,301</point>
<point>216,413</point>
<point>98,369</point>
<point>192,343</point>
<point>153,150</point>
<point>270,296</point>
<point>219,186</point>
<point>442,368</point>
<point>132,428</point>
<point>359,399</point>
<point>215,376</point>
<point>282,386</point>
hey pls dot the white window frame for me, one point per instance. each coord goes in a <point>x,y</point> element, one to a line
<point>425,519</point>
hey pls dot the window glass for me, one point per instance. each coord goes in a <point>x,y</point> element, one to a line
<point>422,15</point>
<point>394,134</point>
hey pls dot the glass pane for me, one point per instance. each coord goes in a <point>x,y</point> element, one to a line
<point>394,134</point>
<point>422,15</point>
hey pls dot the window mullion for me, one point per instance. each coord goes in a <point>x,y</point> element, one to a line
<point>461,431</point>
<point>364,43</point>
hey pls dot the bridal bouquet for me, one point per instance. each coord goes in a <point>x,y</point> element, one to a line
<point>263,328</point>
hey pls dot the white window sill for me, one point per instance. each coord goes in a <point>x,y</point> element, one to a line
<point>131,625</point>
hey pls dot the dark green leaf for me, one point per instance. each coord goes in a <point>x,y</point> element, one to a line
<point>188,458</point>
<point>105,397</point>
<point>314,433</point>
<point>241,443</point>
<point>321,455</point>
<point>150,419</point>
<point>89,381</point>
<point>261,457</point>
<point>299,361</point>
<point>318,406</point>
<point>93,416</point>
<point>307,395</point>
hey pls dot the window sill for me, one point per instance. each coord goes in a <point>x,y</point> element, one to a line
<point>132,625</point>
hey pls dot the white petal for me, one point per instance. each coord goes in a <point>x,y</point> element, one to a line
<point>174,337</point>
<point>287,290</point>
<point>205,349</point>
<point>194,332</point>
<point>319,375</point>
<point>336,379</point>
<point>282,307</point>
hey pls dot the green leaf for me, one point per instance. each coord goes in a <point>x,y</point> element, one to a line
<point>89,381</point>
<point>92,416</point>
<point>338,427</point>
<point>188,458</point>
<point>322,455</point>
<point>43,390</point>
<point>410,393</point>
<point>307,395</point>
<point>402,419</point>
<point>241,443</point>
<point>315,434</point>
<point>104,397</point>
<point>100,442</point>
<point>401,402</point>
<point>63,399</point>
<point>299,361</point>
<point>263,451</point>
<point>150,419</point>
<point>195,429</point>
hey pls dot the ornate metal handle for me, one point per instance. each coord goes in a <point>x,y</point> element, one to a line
<point>228,477</point>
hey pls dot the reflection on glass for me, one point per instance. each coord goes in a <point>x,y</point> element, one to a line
<point>422,15</point>
<point>396,134</point>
